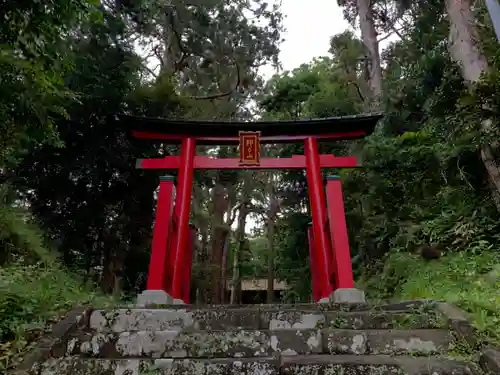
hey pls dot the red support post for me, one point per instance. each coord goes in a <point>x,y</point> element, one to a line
<point>342,267</point>
<point>316,292</point>
<point>186,285</point>
<point>172,235</point>
<point>318,211</point>
<point>159,249</point>
<point>181,212</point>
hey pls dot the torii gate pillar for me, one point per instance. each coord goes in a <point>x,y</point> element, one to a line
<point>318,206</point>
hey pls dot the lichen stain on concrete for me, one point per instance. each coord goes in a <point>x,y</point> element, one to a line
<point>97,320</point>
<point>70,348</point>
<point>309,321</point>
<point>141,319</point>
<point>357,323</point>
<point>289,352</point>
<point>305,370</point>
<point>415,344</point>
<point>358,344</point>
<point>294,320</point>
<point>347,343</point>
<point>274,343</point>
<point>275,324</point>
<point>314,341</point>
<point>127,367</point>
<point>148,343</point>
<point>259,368</point>
<point>95,344</point>
<point>361,369</point>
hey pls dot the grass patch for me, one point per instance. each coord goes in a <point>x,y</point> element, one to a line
<point>20,237</point>
<point>35,289</point>
<point>32,297</point>
<point>469,281</point>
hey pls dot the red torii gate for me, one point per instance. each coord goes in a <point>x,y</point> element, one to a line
<point>171,256</point>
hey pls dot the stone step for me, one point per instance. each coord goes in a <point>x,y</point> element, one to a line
<point>257,343</point>
<point>298,365</point>
<point>396,306</point>
<point>374,365</point>
<point>128,320</point>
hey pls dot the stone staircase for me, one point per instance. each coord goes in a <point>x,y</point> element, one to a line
<point>405,338</point>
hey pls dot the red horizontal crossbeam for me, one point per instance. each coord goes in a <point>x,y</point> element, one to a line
<point>205,162</point>
<point>175,138</point>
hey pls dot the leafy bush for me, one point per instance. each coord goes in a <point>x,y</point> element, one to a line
<point>20,238</point>
<point>469,280</point>
<point>35,290</point>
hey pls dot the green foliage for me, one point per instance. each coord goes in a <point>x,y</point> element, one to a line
<point>35,289</point>
<point>34,57</point>
<point>33,296</point>
<point>254,262</point>
<point>293,257</point>
<point>20,238</point>
<point>82,193</point>
<point>469,279</point>
<point>386,211</point>
<point>312,90</point>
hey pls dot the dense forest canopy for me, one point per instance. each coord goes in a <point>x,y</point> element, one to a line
<point>430,182</point>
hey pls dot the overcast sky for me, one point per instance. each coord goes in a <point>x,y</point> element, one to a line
<point>309,26</point>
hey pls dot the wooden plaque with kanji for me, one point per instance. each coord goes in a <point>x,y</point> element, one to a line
<point>249,148</point>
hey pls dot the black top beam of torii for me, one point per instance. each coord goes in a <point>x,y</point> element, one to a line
<point>226,132</point>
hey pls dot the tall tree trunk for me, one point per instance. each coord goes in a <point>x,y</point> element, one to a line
<point>240,237</point>
<point>274,207</point>
<point>223,273</point>
<point>218,235</point>
<point>369,37</point>
<point>200,256</point>
<point>202,262</point>
<point>465,51</point>
<point>270,260</point>
<point>108,276</point>
<point>171,46</point>
<point>464,40</point>
<point>231,197</point>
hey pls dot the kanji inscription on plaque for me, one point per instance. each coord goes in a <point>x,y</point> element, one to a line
<point>249,148</point>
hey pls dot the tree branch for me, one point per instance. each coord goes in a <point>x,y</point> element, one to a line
<point>387,36</point>
<point>358,89</point>
<point>144,64</point>
<point>389,24</point>
<point>221,94</point>
<point>180,64</point>
<point>233,213</point>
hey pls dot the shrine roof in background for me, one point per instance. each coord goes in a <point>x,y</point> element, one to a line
<point>226,132</point>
